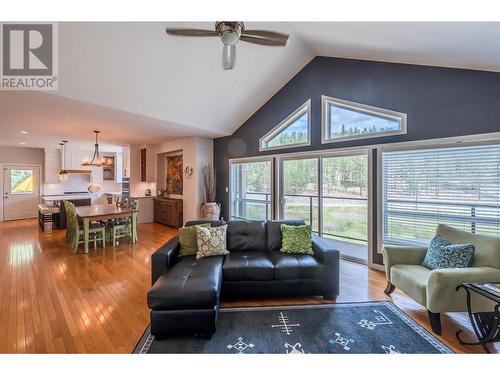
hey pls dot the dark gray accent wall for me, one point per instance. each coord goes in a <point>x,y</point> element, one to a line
<point>439,102</point>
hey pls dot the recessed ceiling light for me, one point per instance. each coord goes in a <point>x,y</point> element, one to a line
<point>23,132</point>
<point>22,143</point>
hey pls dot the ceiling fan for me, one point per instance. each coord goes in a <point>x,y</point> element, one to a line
<point>230,32</point>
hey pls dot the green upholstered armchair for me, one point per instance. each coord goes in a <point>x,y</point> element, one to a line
<point>435,289</point>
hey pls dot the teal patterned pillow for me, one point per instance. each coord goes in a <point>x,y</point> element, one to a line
<point>443,254</point>
<point>296,239</point>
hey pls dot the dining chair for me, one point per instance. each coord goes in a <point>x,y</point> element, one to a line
<point>124,227</point>
<point>97,231</point>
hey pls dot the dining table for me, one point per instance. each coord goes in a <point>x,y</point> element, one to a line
<point>97,212</point>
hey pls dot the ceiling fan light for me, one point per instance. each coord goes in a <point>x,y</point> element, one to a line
<point>230,37</point>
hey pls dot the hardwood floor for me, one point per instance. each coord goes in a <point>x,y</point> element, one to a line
<point>55,301</point>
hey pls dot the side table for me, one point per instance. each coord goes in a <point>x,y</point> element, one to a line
<point>486,325</point>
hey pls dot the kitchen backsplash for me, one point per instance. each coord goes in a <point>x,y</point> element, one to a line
<point>78,182</point>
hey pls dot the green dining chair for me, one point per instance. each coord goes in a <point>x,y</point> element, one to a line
<point>123,227</point>
<point>97,231</point>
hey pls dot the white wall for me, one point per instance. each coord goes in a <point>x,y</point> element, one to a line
<point>205,154</point>
<point>195,152</point>
<point>22,155</point>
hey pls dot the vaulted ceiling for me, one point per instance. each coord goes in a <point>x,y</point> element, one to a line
<point>138,85</point>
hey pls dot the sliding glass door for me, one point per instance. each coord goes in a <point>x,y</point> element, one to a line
<point>329,192</point>
<point>299,190</point>
<point>345,203</point>
<point>251,188</point>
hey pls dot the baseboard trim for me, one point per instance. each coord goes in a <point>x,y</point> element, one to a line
<point>377,267</point>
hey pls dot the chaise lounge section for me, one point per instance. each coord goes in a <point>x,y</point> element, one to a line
<point>186,291</point>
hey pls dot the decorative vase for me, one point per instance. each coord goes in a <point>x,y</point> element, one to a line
<point>210,211</point>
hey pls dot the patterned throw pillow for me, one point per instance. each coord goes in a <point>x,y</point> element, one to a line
<point>443,254</point>
<point>188,240</point>
<point>211,241</point>
<point>296,239</point>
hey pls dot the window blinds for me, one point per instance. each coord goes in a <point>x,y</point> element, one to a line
<point>458,186</point>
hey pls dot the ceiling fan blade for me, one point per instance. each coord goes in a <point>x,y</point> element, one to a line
<point>262,41</point>
<point>190,32</point>
<point>283,38</point>
<point>228,56</point>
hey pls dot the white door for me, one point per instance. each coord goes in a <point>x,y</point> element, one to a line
<point>21,191</point>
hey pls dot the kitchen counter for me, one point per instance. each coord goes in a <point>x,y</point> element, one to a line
<point>65,197</point>
<point>95,198</point>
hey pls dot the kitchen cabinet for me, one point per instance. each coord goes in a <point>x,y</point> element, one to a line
<point>126,162</point>
<point>52,166</point>
<point>119,167</point>
<point>74,159</point>
<point>168,211</point>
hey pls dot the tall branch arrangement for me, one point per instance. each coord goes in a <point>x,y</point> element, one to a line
<point>208,175</point>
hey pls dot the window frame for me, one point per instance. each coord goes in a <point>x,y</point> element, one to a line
<point>295,115</point>
<point>27,193</point>
<point>276,160</point>
<point>484,139</point>
<point>326,101</point>
<point>230,187</point>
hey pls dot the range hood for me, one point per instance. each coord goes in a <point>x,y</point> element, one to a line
<point>64,173</point>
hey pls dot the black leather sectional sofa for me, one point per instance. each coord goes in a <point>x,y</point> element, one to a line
<point>185,294</point>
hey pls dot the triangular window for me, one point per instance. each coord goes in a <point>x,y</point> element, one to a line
<point>293,131</point>
<point>344,120</point>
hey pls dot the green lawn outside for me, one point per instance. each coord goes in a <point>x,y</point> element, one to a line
<point>348,220</point>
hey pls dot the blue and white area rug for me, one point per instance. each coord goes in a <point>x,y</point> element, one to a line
<point>371,327</point>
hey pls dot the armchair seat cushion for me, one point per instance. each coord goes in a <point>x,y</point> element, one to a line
<point>248,266</point>
<point>296,266</point>
<point>190,284</point>
<point>411,279</point>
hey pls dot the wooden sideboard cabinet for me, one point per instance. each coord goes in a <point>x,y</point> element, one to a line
<point>168,212</point>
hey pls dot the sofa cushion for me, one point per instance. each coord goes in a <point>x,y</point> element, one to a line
<point>189,284</point>
<point>411,279</point>
<point>273,229</point>
<point>245,235</point>
<point>295,266</point>
<point>248,266</point>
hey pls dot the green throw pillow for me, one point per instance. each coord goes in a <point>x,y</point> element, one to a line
<point>296,239</point>
<point>188,240</point>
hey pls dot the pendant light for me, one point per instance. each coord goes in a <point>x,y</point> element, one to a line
<point>97,160</point>
<point>63,173</point>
